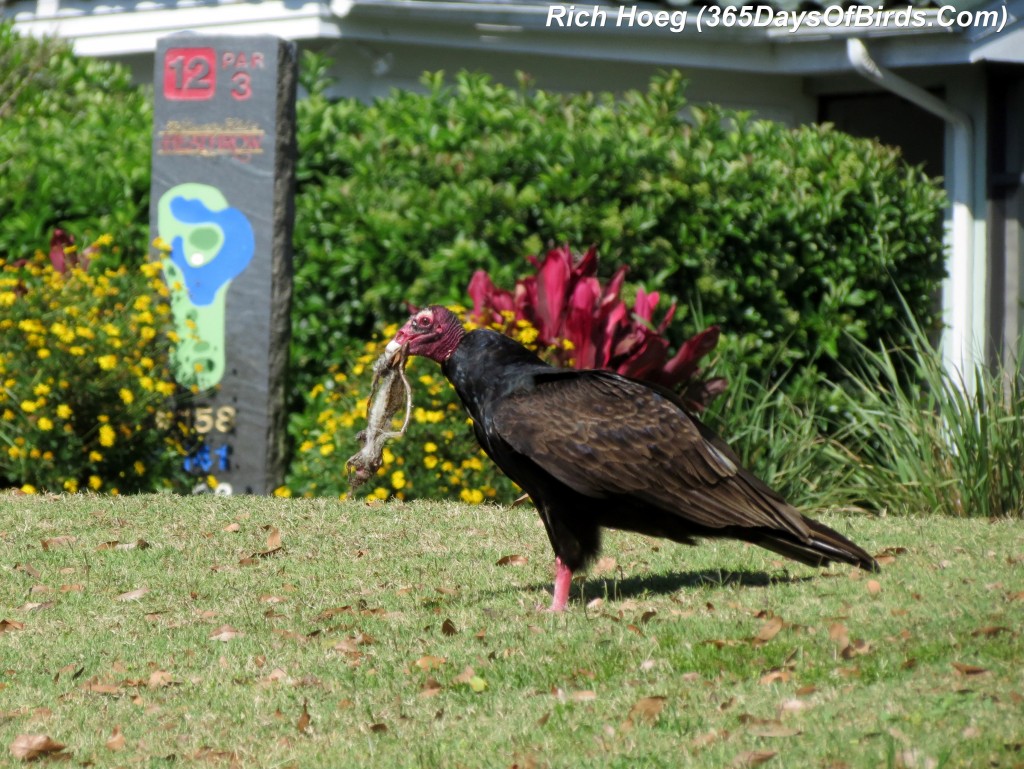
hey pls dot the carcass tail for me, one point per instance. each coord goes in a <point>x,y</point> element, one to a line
<point>823,547</point>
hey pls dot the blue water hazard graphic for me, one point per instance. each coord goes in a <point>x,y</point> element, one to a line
<point>236,251</point>
<point>202,460</point>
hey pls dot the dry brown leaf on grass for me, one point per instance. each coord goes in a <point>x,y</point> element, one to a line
<point>115,544</point>
<point>117,740</point>
<point>965,669</point>
<point>99,687</point>
<point>29,569</point>
<point>53,542</point>
<point>708,738</point>
<point>7,625</point>
<point>302,725</point>
<point>768,631</point>
<point>225,633</point>
<point>132,595</point>
<point>751,758</point>
<point>273,540</point>
<point>512,560</point>
<point>448,627</point>
<point>429,662</point>
<point>645,711</point>
<point>430,687</point>
<point>773,676</point>
<point>273,547</point>
<point>159,679</point>
<point>28,747</point>
<point>991,630</point>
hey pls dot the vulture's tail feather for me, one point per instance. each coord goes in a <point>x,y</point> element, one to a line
<point>823,547</point>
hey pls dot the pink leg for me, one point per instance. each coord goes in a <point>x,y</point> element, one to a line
<point>563,580</point>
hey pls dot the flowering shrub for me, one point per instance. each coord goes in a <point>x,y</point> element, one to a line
<point>587,325</point>
<point>437,457</point>
<point>83,372</point>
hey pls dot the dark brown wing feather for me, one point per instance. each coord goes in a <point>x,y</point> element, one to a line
<point>604,435</point>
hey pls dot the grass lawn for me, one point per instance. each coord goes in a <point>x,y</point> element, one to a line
<point>159,631</point>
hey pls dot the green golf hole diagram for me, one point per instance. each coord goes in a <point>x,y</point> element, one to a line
<point>211,244</point>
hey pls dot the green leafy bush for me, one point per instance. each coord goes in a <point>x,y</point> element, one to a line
<point>83,374</point>
<point>74,147</point>
<point>786,238</point>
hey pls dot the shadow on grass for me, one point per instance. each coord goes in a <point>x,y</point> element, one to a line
<point>614,589</point>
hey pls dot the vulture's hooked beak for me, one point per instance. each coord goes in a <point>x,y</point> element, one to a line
<point>396,352</point>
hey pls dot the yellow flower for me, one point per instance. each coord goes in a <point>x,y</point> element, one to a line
<point>379,493</point>
<point>107,362</point>
<point>28,406</point>
<point>472,496</point>
<point>107,436</point>
<point>430,461</point>
<point>306,446</point>
<point>103,240</point>
<point>430,447</point>
<point>76,350</point>
<point>64,411</point>
<point>44,424</point>
<point>41,389</point>
<point>95,456</point>
<point>398,479</point>
<point>71,486</point>
<point>327,449</point>
<point>140,468</point>
<point>127,396</point>
<point>527,335</point>
<point>28,489</point>
<point>43,353</point>
<point>282,491</point>
<point>14,452</point>
<point>95,483</point>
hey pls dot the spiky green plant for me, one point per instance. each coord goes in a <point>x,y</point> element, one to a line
<point>932,441</point>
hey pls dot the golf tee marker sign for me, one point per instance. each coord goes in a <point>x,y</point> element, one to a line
<point>221,217</point>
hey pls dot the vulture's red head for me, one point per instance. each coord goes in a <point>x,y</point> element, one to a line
<point>433,332</point>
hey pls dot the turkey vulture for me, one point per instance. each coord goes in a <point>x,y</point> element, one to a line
<point>596,449</point>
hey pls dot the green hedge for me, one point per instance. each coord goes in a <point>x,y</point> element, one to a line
<point>74,148</point>
<point>786,237</point>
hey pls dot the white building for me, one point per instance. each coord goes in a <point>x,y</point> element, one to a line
<point>945,84</point>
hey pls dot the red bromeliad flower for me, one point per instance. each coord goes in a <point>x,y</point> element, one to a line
<point>64,255</point>
<point>566,302</point>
